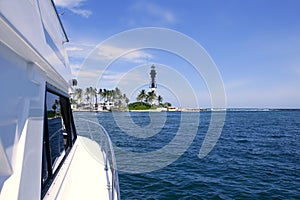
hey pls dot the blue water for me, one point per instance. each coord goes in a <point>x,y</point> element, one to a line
<point>256,157</point>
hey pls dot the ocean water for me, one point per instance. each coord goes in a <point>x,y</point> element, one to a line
<point>256,157</point>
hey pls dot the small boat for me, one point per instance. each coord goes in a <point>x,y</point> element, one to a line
<point>45,152</point>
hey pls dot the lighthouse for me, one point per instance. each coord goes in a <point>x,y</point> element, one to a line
<point>153,85</point>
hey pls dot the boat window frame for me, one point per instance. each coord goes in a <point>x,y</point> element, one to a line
<point>67,117</point>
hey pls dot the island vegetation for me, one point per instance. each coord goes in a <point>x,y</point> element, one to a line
<point>147,101</point>
<point>114,100</point>
<point>99,99</point>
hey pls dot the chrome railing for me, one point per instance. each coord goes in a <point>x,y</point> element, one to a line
<point>91,128</point>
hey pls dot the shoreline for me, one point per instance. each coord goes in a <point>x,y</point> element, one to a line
<point>150,110</point>
<point>196,110</point>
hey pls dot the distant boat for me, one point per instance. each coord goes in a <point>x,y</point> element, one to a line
<point>217,109</point>
<point>173,109</point>
<point>41,155</point>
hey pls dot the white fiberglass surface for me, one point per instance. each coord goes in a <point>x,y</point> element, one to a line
<point>89,171</point>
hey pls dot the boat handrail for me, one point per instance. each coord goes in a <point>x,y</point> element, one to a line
<point>109,151</point>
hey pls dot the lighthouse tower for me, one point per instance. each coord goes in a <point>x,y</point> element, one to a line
<point>153,85</point>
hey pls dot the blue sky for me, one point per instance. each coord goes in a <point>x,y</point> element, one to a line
<point>254,44</point>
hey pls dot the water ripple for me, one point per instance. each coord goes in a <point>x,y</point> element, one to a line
<point>256,157</point>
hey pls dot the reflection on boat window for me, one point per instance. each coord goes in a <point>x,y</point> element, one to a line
<point>59,134</point>
<point>55,128</point>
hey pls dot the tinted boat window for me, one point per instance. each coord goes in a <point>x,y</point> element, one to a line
<point>56,128</point>
<point>59,134</point>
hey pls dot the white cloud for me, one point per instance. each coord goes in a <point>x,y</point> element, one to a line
<point>74,6</point>
<point>91,74</point>
<point>75,68</point>
<point>82,12</point>
<point>74,48</point>
<point>151,12</point>
<point>107,52</point>
<point>108,78</point>
<point>87,78</point>
<point>68,3</point>
<point>88,63</point>
<point>79,50</point>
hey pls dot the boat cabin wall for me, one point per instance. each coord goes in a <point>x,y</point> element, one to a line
<point>37,23</point>
<point>22,86</point>
<point>31,55</point>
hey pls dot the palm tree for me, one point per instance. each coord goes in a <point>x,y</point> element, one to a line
<point>55,106</point>
<point>159,99</point>
<point>151,96</point>
<point>119,103</point>
<point>78,95</point>
<point>118,93</point>
<point>141,96</point>
<point>104,94</point>
<point>167,104</point>
<point>100,92</point>
<point>95,94</point>
<point>114,95</point>
<point>87,94</point>
<point>108,95</point>
<point>127,101</point>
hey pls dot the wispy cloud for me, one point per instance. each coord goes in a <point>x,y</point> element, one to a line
<point>74,6</point>
<point>75,68</point>
<point>108,52</point>
<point>82,12</point>
<point>77,53</point>
<point>91,74</point>
<point>89,64</point>
<point>121,79</point>
<point>79,50</point>
<point>150,14</point>
<point>109,78</point>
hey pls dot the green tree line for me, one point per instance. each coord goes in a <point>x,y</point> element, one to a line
<point>92,95</point>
